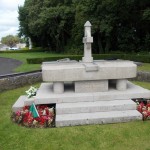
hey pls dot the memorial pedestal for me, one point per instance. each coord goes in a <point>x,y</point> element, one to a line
<point>98,93</point>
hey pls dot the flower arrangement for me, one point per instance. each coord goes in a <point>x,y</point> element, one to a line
<point>144,108</point>
<point>26,117</point>
<point>31,92</point>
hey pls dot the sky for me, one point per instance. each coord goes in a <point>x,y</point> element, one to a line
<point>9,23</point>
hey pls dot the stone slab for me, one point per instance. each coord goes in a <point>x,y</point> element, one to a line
<point>19,103</point>
<point>91,86</point>
<point>89,67</point>
<point>116,69</point>
<point>45,94</point>
<point>97,118</point>
<point>121,84</point>
<point>97,106</point>
<point>29,101</point>
<point>133,91</point>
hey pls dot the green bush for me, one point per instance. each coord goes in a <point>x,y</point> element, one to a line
<point>108,56</point>
<point>139,58</point>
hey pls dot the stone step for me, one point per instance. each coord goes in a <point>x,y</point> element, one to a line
<point>29,101</point>
<point>97,118</point>
<point>19,104</point>
<point>45,95</point>
<point>97,106</point>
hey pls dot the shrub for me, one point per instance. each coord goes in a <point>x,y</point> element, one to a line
<point>140,58</point>
<point>53,58</point>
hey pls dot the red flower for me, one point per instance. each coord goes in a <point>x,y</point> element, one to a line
<point>148,107</point>
<point>26,117</point>
<point>30,118</point>
<point>46,115</point>
<point>42,120</point>
<point>140,106</point>
<point>26,108</point>
<point>47,111</point>
<point>18,113</point>
<point>145,114</point>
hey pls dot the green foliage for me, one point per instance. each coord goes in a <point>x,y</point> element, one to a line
<point>53,58</point>
<point>10,40</point>
<point>138,58</point>
<point>35,64</point>
<point>23,56</point>
<point>146,14</point>
<point>48,23</point>
<point>121,25</point>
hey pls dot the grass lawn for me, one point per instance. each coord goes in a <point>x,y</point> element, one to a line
<point>23,56</point>
<point>122,136</point>
<point>30,67</point>
<point>144,67</point>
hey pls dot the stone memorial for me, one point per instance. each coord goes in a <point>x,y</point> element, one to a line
<point>89,91</point>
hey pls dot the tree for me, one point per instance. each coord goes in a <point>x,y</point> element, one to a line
<point>58,24</point>
<point>10,40</point>
<point>47,22</point>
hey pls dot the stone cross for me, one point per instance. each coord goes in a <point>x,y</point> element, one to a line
<point>87,40</point>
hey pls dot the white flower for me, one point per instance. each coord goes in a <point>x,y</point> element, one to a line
<point>31,92</point>
<point>51,110</point>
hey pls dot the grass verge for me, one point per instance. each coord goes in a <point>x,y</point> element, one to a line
<point>144,67</point>
<point>23,56</point>
<point>125,136</point>
<point>31,67</point>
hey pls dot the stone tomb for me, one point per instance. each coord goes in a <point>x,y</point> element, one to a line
<point>89,91</point>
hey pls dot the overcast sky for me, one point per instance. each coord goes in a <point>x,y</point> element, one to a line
<point>8,17</point>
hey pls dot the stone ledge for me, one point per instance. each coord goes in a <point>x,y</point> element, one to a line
<point>19,104</point>
<point>97,106</point>
<point>97,118</point>
<point>45,95</point>
<point>14,82</point>
<point>77,72</point>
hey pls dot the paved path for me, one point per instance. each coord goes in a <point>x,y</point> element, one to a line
<point>7,65</point>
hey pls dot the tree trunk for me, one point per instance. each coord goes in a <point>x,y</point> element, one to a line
<point>108,44</point>
<point>100,47</point>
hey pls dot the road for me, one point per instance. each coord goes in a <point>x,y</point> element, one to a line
<point>7,65</point>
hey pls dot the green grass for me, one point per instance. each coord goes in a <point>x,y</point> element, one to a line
<point>23,56</point>
<point>122,136</point>
<point>144,67</point>
<point>30,67</point>
<point>142,84</point>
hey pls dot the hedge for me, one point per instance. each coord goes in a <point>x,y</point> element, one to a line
<point>53,58</point>
<point>139,58</point>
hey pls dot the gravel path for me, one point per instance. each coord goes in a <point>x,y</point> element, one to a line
<point>7,65</point>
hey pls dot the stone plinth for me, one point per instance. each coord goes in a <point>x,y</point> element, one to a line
<point>45,94</point>
<point>121,84</point>
<point>97,118</point>
<point>99,91</point>
<point>97,106</point>
<point>91,86</point>
<point>58,87</point>
<point>61,72</point>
